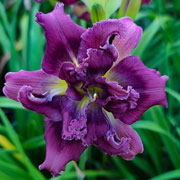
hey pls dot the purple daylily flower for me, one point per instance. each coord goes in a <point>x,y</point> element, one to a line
<point>146,1</point>
<point>81,11</point>
<point>90,88</point>
<point>68,2</point>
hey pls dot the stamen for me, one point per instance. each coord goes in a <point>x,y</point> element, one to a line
<point>94,97</point>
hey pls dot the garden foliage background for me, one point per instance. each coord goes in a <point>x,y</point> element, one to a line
<point>22,147</point>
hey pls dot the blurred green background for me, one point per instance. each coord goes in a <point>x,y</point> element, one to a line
<point>22,147</point>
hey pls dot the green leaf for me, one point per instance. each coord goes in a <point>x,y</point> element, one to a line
<point>15,140</point>
<point>131,10</point>
<point>35,142</point>
<point>5,176</point>
<point>122,169</point>
<point>147,37</point>
<point>151,126</point>
<point>14,171</point>
<point>4,41</point>
<point>175,174</point>
<point>14,61</point>
<point>8,103</point>
<point>89,173</point>
<point>111,7</point>
<point>173,94</point>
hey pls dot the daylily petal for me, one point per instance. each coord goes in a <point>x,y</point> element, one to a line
<point>98,124</point>
<point>58,151</point>
<point>83,120</point>
<point>74,114</point>
<point>63,39</point>
<point>81,12</point>
<point>126,131</point>
<point>145,1</point>
<point>110,90</point>
<point>38,80</point>
<point>100,35</point>
<point>119,106</point>
<point>125,142</point>
<point>98,62</point>
<point>68,2</point>
<point>40,103</point>
<point>111,143</point>
<point>126,45</point>
<point>67,72</point>
<point>147,82</point>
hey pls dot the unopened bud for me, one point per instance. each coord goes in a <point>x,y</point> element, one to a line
<point>129,8</point>
<point>97,13</point>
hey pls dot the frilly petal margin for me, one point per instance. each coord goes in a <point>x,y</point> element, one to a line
<point>74,117</point>
<point>58,151</point>
<point>126,45</point>
<point>136,146</point>
<point>38,80</point>
<point>147,82</point>
<point>98,124</point>
<point>97,63</point>
<point>62,36</point>
<point>40,103</point>
<point>126,131</point>
<point>125,142</point>
<point>100,35</point>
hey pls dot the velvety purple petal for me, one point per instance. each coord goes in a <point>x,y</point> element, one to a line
<point>98,124</point>
<point>68,2</point>
<point>110,142</point>
<point>81,12</point>
<point>67,72</point>
<point>75,93</point>
<point>100,35</point>
<point>110,90</point>
<point>74,117</point>
<point>40,103</point>
<point>71,75</point>
<point>125,142</point>
<point>38,80</point>
<point>58,151</point>
<point>119,106</point>
<point>98,62</point>
<point>126,131</point>
<point>147,82</point>
<point>146,1</point>
<point>83,120</point>
<point>63,39</point>
<point>113,146</point>
<point>126,45</point>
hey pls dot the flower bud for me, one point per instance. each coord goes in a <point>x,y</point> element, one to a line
<point>97,13</point>
<point>129,8</point>
<point>81,12</point>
